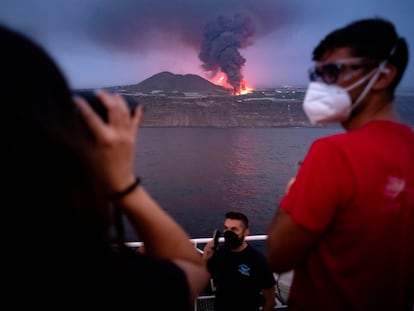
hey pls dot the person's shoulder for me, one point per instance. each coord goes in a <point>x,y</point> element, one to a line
<point>155,275</point>
<point>130,264</point>
<point>331,139</point>
<point>337,141</point>
<point>254,251</point>
<point>257,257</point>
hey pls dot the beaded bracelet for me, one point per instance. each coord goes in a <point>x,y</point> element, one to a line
<point>118,195</point>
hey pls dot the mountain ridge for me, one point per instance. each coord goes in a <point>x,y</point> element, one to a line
<point>169,82</point>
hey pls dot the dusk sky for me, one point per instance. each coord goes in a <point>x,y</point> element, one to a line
<point>101,43</point>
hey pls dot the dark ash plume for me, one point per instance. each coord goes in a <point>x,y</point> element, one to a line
<point>222,39</point>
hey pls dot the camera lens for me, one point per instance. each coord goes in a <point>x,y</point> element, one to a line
<point>99,107</point>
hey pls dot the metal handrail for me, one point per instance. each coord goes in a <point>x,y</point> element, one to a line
<point>197,241</point>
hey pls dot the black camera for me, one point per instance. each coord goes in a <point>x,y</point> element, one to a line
<point>216,236</point>
<point>99,107</point>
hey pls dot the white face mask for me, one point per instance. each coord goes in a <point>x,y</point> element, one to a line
<point>330,103</point>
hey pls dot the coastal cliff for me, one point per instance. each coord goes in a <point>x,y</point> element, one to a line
<point>262,108</point>
<point>222,112</point>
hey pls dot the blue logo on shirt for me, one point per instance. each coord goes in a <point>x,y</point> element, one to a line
<point>244,269</point>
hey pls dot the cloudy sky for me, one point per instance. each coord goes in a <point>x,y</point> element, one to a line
<point>116,42</point>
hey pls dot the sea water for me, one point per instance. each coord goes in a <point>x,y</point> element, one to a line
<point>198,174</point>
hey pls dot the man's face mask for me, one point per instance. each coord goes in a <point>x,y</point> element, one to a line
<point>232,240</point>
<point>327,103</point>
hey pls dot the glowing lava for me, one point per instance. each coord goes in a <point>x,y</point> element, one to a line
<point>244,89</point>
<point>221,79</point>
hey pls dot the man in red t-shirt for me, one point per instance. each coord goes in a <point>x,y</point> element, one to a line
<point>346,224</point>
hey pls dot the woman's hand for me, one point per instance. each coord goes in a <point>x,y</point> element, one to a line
<point>208,250</point>
<point>112,154</point>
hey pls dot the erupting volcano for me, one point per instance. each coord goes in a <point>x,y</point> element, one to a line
<point>222,39</point>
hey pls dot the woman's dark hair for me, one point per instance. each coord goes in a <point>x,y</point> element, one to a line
<point>48,180</point>
<point>374,38</point>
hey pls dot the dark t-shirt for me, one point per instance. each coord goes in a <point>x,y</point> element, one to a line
<point>99,280</point>
<point>150,282</point>
<point>239,278</point>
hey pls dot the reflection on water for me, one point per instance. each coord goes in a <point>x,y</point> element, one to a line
<point>197,174</point>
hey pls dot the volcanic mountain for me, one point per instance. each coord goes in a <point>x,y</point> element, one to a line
<point>169,82</point>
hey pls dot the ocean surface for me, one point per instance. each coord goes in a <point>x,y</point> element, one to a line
<point>198,174</point>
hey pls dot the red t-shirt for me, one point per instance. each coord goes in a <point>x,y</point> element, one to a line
<point>357,191</point>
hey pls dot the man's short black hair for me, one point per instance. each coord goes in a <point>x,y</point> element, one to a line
<point>238,216</point>
<point>374,38</point>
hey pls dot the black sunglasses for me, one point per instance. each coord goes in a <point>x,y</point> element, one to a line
<point>329,72</point>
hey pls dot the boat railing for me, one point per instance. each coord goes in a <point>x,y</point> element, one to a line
<point>201,241</point>
<point>205,301</point>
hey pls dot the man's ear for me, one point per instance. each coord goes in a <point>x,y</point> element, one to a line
<point>246,232</point>
<point>385,78</point>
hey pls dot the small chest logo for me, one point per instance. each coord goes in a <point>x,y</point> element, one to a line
<point>393,189</point>
<point>244,269</point>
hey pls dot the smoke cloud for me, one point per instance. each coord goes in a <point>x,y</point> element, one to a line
<point>222,39</point>
<point>106,42</point>
<point>214,30</point>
